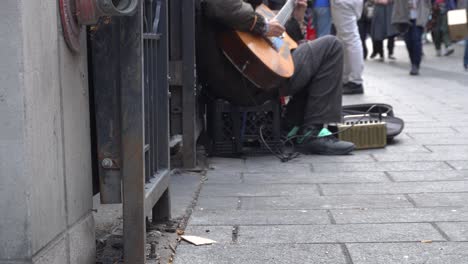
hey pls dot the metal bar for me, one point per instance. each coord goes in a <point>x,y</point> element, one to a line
<point>175,54</point>
<point>156,105</point>
<point>189,86</point>
<point>163,89</point>
<point>147,77</point>
<point>106,69</point>
<point>133,140</point>
<point>162,209</point>
<point>154,190</point>
<point>152,36</point>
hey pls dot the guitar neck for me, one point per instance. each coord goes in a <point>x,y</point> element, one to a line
<point>285,13</point>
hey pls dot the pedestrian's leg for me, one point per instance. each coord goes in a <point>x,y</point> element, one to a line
<point>322,21</point>
<point>345,15</point>
<point>379,46</point>
<point>445,37</point>
<point>391,47</point>
<point>418,45</point>
<point>318,69</point>
<point>437,36</point>
<point>444,31</point>
<point>362,25</point>
<point>465,63</point>
<point>409,42</point>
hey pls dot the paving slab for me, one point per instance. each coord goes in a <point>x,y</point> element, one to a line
<point>259,190</point>
<point>408,253</point>
<point>396,147</point>
<point>459,165</point>
<point>338,233</point>
<point>260,254</point>
<point>439,156</point>
<point>274,165</point>
<point>439,199</point>
<point>448,148</point>
<point>430,130</point>
<point>442,140</point>
<point>382,166</point>
<point>311,159</point>
<point>427,176</point>
<point>325,202</point>
<point>231,177</point>
<point>218,203</point>
<point>316,177</point>
<point>223,165</point>
<point>456,231</point>
<point>394,187</point>
<point>260,217</point>
<point>400,215</point>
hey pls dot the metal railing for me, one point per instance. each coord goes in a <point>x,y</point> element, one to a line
<point>130,79</point>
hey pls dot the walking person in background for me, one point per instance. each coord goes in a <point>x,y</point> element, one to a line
<point>345,15</point>
<point>411,16</point>
<point>465,58</point>
<point>382,28</point>
<point>464,4</point>
<point>364,24</point>
<point>440,33</point>
<point>322,17</point>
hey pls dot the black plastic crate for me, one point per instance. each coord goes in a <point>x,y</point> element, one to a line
<point>235,130</point>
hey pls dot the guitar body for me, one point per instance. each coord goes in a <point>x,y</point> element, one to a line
<point>265,62</point>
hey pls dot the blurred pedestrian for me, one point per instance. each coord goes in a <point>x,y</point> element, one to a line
<point>439,22</point>
<point>364,24</point>
<point>465,58</point>
<point>411,16</point>
<point>464,4</point>
<point>345,15</point>
<point>382,28</point>
<point>322,17</point>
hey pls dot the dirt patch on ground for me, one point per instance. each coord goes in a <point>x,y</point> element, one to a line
<point>162,239</point>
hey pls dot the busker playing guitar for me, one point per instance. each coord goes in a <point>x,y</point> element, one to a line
<point>315,87</point>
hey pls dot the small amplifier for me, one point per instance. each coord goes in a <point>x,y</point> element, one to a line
<point>364,131</point>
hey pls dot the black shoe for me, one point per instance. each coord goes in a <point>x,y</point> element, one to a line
<point>373,55</point>
<point>414,70</point>
<point>391,57</point>
<point>353,88</point>
<point>328,145</point>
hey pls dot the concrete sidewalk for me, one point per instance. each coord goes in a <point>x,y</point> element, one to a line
<point>406,203</point>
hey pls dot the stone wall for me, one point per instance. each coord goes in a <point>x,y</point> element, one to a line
<point>45,161</point>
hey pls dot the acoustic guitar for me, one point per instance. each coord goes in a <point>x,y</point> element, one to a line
<point>265,61</point>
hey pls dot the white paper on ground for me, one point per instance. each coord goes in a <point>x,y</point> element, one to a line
<point>198,241</point>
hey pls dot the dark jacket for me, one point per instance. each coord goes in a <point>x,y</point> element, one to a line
<point>381,26</point>
<point>218,76</point>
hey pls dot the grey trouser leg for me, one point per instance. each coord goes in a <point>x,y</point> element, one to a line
<point>345,14</point>
<point>316,85</point>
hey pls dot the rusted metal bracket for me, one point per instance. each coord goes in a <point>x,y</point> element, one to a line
<point>77,13</point>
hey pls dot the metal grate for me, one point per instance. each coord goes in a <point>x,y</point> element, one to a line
<point>151,41</point>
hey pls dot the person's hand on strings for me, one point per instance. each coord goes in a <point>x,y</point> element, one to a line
<point>275,29</point>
